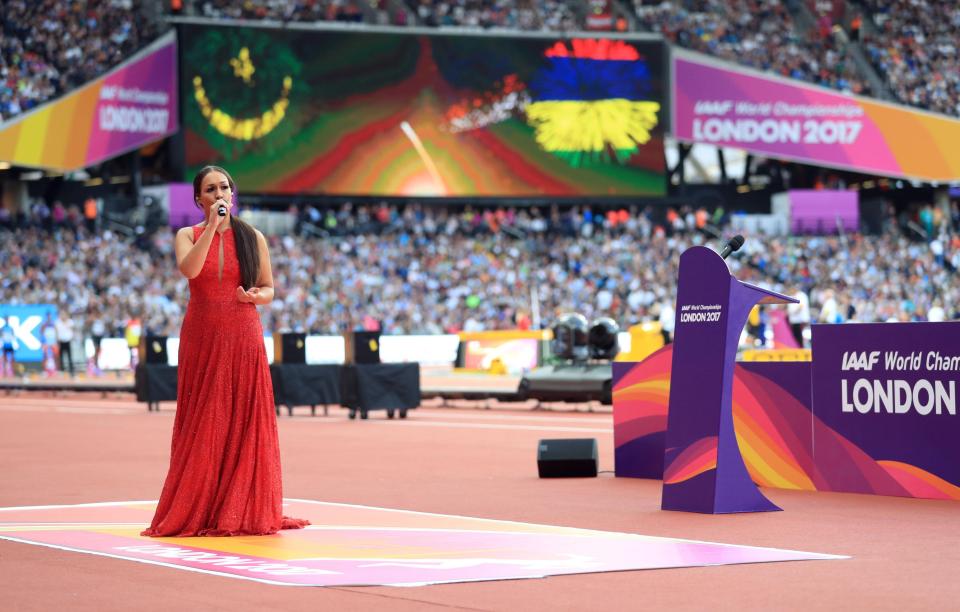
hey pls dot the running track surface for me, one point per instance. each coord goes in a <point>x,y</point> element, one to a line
<point>469,462</point>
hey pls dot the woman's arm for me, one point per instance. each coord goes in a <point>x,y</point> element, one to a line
<point>263,292</point>
<point>190,255</point>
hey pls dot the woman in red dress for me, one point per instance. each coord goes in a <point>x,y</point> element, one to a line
<point>224,476</point>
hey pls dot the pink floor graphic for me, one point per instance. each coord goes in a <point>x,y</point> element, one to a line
<point>362,545</point>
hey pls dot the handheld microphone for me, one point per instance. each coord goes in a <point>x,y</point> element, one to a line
<point>222,210</point>
<point>732,246</point>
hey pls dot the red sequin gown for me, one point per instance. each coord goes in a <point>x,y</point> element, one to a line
<point>224,476</point>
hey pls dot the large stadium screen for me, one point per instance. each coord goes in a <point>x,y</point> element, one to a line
<point>409,114</point>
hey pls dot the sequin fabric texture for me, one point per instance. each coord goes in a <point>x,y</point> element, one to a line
<point>224,476</point>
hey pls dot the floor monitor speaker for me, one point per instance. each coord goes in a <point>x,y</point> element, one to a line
<point>564,458</point>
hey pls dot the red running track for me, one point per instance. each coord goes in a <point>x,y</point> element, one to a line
<point>481,463</point>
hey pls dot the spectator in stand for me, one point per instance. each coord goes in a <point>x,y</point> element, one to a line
<point>90,213</point>
<point>600,15</point>
<point>855,24</point>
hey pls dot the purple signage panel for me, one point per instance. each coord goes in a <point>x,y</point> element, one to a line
<point>726,105</point>
<point>820,211</point>
<point>137,105</point>
<point>890,391</point>
<point>771,412</point>
<point>182,209</point>
<point>640,394</point>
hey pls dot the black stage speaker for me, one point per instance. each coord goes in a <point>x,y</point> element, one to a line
<point>576,457</point>
<point>290,348</point>
<point>152,349</point>
<point>362,347</point>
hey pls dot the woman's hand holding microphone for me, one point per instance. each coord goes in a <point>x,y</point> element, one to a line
<point>218,213</point>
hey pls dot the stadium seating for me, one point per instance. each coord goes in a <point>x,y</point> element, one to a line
<point>426,270</point>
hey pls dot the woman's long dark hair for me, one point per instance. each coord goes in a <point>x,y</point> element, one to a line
<point>244,236</point>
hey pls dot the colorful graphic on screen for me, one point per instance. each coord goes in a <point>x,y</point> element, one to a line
<point>399,114</point>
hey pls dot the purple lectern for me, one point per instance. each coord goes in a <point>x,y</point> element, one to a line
<point>703,470</point>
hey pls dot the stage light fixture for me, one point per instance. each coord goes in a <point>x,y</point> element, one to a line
<point>602,338</point>
<point>570,337</point>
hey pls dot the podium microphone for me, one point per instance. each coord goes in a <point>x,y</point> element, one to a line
<point>732,246</point>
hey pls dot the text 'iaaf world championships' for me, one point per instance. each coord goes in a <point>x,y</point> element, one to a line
<point>894,361</point>
<point>898,396</point>
<point>721,108</point>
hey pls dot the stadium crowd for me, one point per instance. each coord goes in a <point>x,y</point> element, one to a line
<point>428,270</point>
<point>552,15</point>
<point>49,47</point>
<point>915,50</point>
<point>913,45</point>
<point>522,15</point>
<point>756,33</point>
<point>344,11</point>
